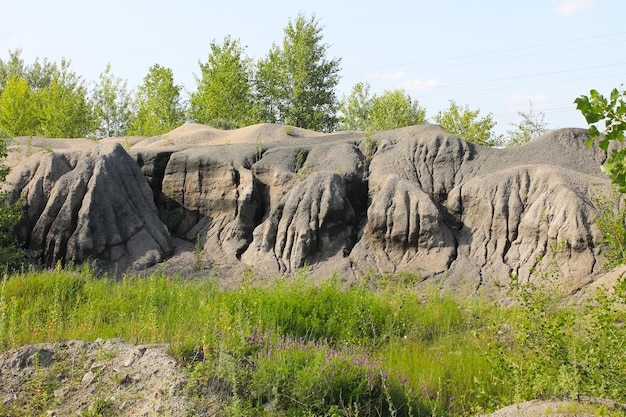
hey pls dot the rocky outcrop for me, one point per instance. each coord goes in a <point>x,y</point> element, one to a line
<point>277,200</point>
<point>89,205</point>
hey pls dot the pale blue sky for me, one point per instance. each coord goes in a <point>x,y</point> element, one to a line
<point>495,55</point>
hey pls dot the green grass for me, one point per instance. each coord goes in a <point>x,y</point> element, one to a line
<point>291,347</point>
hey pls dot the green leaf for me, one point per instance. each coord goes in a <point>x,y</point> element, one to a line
<point>603,144</point>
<point>582,102</point>
<point>615,94</point>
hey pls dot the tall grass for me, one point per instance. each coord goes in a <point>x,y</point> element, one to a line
<point>291,347</point>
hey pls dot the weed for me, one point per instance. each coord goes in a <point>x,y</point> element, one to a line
<point>371,145</point>
<point>259,148</point>
<point>101,407</point>
<point>304,172</point>
<point>301,158</point>
<point>29,146</point>
<point>199,253</point>
<point>612,223</point>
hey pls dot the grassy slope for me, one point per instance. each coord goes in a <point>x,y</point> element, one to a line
<point>293,348</point>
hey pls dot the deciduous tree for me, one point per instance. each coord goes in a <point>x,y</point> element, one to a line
<point>64,108</point>
<point>295,83</point>
<point>12,68</point>
<point>54,105</point>
<point>112,105</point>
<point>158,104</point>
<point>356,108</point>
<point>18,109</point>
<point>390,110</point>
<point>223,98</point>
<point>467,124</point>
<point>38,75</point>
<point>532,125</point>
<point>395,109</point>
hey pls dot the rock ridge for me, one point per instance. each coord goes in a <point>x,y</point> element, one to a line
<point>275,200</point>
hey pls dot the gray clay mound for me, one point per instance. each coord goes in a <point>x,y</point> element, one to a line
<point>277,199</point>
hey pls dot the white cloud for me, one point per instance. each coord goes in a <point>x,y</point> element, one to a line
<point>388,75</point>
<point>568,7</point>
<point>419,84</point>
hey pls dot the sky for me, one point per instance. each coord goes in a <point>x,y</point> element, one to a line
<point>494,55</point>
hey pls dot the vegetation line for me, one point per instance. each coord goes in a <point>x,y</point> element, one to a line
<point>374,348</point>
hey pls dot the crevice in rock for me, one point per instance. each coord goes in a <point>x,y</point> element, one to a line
<point>153,167</point>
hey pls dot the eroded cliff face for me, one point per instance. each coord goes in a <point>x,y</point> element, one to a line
<point>89,205</point>
<point>416,199</point>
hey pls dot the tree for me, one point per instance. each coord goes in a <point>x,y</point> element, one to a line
<point>13,68</point>
<point>38,75</point>
<point>64,110</point>
<point>356,108</point>
<point>112,105</point>
<point>607,114</point>
<point>58,109</point>
<point>391,110</point>
<point>295,84</point>
<point>269,80</point>
<point>395,109</point>
<point>158,107</point>
<point>224,96</point>
<point>18,109</point>
<point>466,124</point>
<point>532,125</point>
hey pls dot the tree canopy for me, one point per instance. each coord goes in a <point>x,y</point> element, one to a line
<point>223,98</point>
<point>158,104</point>
<point>532,125</point>
<point>295,83</point>
<point>390,110</point>
<point>112,105</point>
<point>45,100</point>
<point>467,124</point>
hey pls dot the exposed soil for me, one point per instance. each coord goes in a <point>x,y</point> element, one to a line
<point>98,378</point>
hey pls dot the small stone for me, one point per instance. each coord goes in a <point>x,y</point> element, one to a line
<point>88,378</point>
<point>129,361</point>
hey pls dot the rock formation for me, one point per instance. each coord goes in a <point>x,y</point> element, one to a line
<point>276,200</point>
<point>89,205</point>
